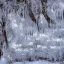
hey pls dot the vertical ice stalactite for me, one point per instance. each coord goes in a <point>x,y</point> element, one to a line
<point>24,12</point>
<point>1,41</point>
<point>62,14</point>
<point>57,15</point>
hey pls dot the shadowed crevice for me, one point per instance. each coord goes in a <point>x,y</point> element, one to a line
<point>4,31</point>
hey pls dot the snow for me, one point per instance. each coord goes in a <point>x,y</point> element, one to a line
<point>3,61</point>
<point>36,62</point>
<point>18,63</point>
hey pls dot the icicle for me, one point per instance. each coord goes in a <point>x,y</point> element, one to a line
<point>62,14</point>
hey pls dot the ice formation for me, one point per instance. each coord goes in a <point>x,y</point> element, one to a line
<point>28,33</point>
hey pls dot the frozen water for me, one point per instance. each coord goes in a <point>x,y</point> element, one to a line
<point>42,23</point>
<point>26,39</point>
<point>3,61</point>
<point>37,62</point>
